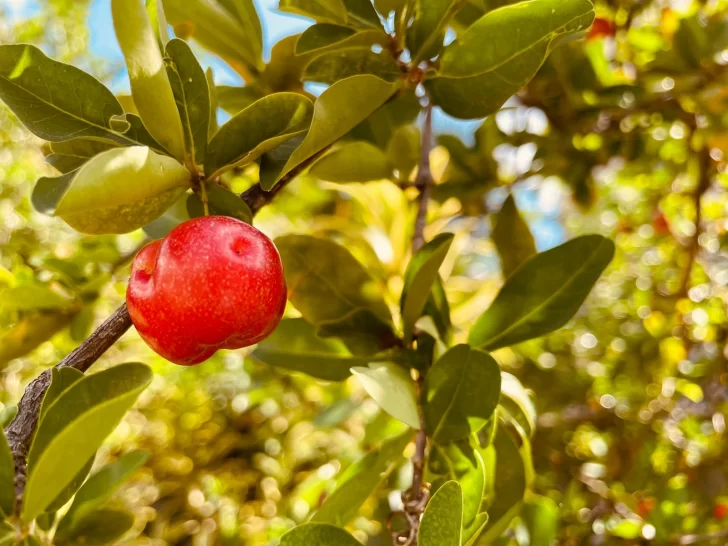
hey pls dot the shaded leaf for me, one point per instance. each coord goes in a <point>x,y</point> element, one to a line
<point>49,190</point>
<point>442,521</point>
<point>338,110</point>
<point>361,13</point>
<point>541,517</point>
<point>425,35</point>
<point>518,404</point>
<point>544,293</point>
<point>512,238</point>
<point>485,65</point>
<point>78,421</point>
<point>32,297</point>
<point>345,63</point>
<point>392,388</point>
<point>221,201</point>
<point>360,481</point>
<point>353,162</point>
<point>476,527</point>
<point>325,37</point>
<point>71,487</point>
<point>150,85</point>
<point>69,155</point>
<point>172,217</point>
<point>101,527</point>
<point>421,274</point>
<point>362,331</point>
<point>294,345</point>
<point>189,86</point>
<point>7,478</point>
<point>158,20</point>
<point>247,16</point>
<point>332,11</point>
<point>461,392</point>
<point>403,149</point>
<point>320,534</point>
<point>379,127</point>
<point>259,128</point>
<point>233,99</point>
<point>121,190</point>
<point>212,125</point>
<point>61,379</point>
<point>272,163</point>
<point>460,462</point>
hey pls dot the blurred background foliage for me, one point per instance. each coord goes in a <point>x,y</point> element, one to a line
<point>622,134</point>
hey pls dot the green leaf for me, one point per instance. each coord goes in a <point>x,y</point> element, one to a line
<point>61,379</point>
<point>7,534</point>
<point>189,86</point>
<point>403,149</point>
<point>71,487</point>
<point>32,297</point>
<point>357,161</point>
<point>541,517</point>
<point>81,324</point>
<point>7,414</point>
<point>338,110</point>
<point>222,202</point>
<point>294,345</point>
<point>234,99</point>
<point>212,125</point>
<point>158,20</point>
<point>121,190</point>
<point>485,65</point>
<point>516,402</point>
<point>421,274</point>
<point>442,522</point>
<point>325,37</point>
<point>172,217</point>
<point>379,127</point>
<point>460,462</point>
<point>332,11</point>
<point>262,126</point>
<point>98,489</point>
<point>392,388</point>
<point>272,163</point>
<point>101,527</point>
<point>345,63</point>
<point>78,422</point>
<point>150,85</point>
<point>476,527</point>
<point>461,391</point>
<point>362,331</point>
<point>44,94</point>
<point>318,534</point>
<point>70,155</point>
<point>7,477</point>
<point>49,190</point>
<point>386,6</point>
<point>427,32</point>
<point>512,238</point>
<point>246,14</point>
<point>543,294</point>
<point>361,13</point>
<point>360,481</point>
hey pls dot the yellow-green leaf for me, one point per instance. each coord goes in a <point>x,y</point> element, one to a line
<point>512,238</point>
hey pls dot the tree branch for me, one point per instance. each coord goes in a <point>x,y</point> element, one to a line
<point>21,429</point>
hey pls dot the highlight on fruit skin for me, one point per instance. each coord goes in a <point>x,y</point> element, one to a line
<point>212,283</point>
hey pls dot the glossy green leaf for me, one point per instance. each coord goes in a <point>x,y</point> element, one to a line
<point>541,517</point>
<point>219,30</point>
<point>460,462</point>
<point>485,65</point>
<point>49,190</point>
<point>512,238</point>
<point>516,402</point>
<point>403,149</point>
<point>338,110</point>
<point>101,527</point>
<point>97,490</point>
<point>7,477</point>
<point>360,481</point>
<point>442,521</point>
<point>189,86</point>
<point>357,161</point>
<point>332,11</point>
<point>220,201</point>
<point>259,128</point>
<point>544,293</point>
<point>461,392</point>
<point>121,190</point>
<point>150,85</point>
<point>344,63</point>
<point>392,388</point>
<point>318,534</point>
<point>78,422</point>
<point>325,37</point>
<point>421,274</point>
<point>61,379</point>
<point>427,32</point>
<point>294,345</point>
<point>69,155</point>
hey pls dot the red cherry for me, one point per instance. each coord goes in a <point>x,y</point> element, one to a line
<point>212,283</point>
<point>720,511</point>
<point>601,28</point>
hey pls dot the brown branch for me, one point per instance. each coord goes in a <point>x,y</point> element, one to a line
<point>21,429</point>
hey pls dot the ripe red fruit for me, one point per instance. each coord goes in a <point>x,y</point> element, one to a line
<point>601,27</point>
<point>720,511</point>
<point>212,283</point>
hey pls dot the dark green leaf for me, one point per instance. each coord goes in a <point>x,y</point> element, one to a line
<point>391,386</point>
<point>362,331</point>
<point>70,155</point>
<point>460,462</point>
<point>379,127</point>
<point>442,522</point>
<point>332,11</point>
<point>44,521</point>
<point>485,65</point>
<point>101,527</point>
<point>61,379</point>
<point>421,274</point>
<point>272,163</point>
<point>353,162</point>
<point>97,490</point>
<point>78,422</point>
<point>461,391</point>
<point>541,516</point>
<point>294,345</point>
<point>189,86</point>
<point>345,63</point>
<point>512,238</point>
<point>318,534</point>
<point>338,110</point>
<point>361,13</point>
<point>325,37</point>
<point>7,478</point>
<point>262,126</point>
<point>221,201</point>
<point>49,190</point>
<point>360,481</point>
<point>425,35</point>
<point>544,293</point>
